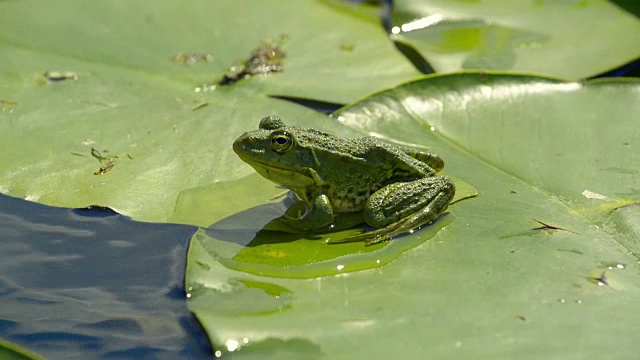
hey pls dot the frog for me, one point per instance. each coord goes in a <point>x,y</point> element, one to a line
<point>395,188</point>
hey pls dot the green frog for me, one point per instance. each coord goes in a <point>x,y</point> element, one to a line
<point>395,188</point>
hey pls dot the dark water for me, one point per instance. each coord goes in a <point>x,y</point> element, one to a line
<point>90,283</point>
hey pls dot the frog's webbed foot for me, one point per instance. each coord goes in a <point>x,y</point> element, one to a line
<point>436,193</point>
<point>425,216</point>
<point>319,215</point>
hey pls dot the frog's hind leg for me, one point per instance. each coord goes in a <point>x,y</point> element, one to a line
<point>433,160</point>
<point>423,208</point>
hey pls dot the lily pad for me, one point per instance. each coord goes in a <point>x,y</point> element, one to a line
<point>126,84</point>
<point>556,38</point>
<point>246,241</point>
<point>523,265</point>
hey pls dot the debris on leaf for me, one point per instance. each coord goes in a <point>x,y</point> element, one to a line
<point>7,105</point>
<point>199,106</point>
<point>592,195</point>
<point>600,280</point>
<point>8,102</point>
<point>108,161</point>
<point>265,59</point>
<point>88,142</point>
<point>96,154</point>
<point>106,167</point>
<point>575,251</point>
<point>612,266</point>
<point>192,59</point>
<point>59,76</point>
<point>546,226</point>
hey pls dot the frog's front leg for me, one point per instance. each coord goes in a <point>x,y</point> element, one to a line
<point>401,207</point>
<point>318,215</point>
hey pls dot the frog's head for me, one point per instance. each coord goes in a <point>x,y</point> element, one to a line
<point>275,152</point>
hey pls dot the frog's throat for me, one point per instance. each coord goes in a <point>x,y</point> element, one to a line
<point>292,179</point>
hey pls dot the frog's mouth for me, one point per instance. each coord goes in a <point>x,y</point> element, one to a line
<point>281,174</point>
<point>288,178</point>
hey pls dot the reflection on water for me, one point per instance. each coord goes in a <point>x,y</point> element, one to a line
<point>91,283</point>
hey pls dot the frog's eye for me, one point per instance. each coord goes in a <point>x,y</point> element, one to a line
<point>281,142</point>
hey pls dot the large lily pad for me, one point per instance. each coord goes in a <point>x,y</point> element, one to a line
<point>543,263</point>
<point>124,92</point>
<point>570,39</point>
<point>486,286</point>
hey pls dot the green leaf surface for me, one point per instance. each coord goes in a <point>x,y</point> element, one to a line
<point>571,39</point>
<point>542,264</point>
<point>9,351</point>
<point>127,97</point>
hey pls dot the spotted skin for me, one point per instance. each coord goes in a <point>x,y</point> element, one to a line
<point>395,188</point>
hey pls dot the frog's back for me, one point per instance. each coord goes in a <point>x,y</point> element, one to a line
<point>353,169</point>
<point>334,146</point>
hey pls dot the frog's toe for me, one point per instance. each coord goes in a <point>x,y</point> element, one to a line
<point>376,239</point>
<point>426,215</point>
<point>368,238</point>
